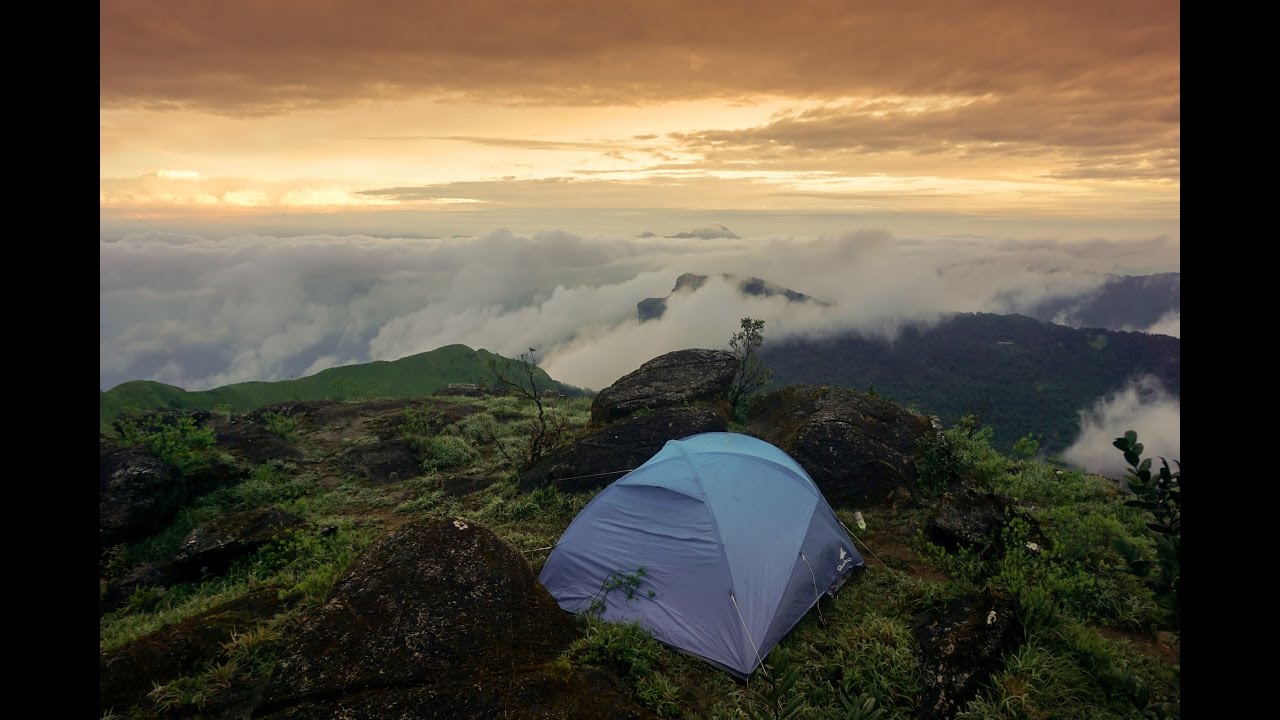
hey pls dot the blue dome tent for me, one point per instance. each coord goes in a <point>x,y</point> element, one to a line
<point>730,539</point>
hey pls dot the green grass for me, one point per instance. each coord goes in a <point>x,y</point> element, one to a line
<point>1084,653</point>
<point>412,376</point>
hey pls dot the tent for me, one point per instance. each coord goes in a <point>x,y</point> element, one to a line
<point>717,545</point>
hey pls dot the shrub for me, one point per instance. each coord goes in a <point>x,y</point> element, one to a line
<point>445,452</point>
<point>179,441</point>
<point>1161,496</point>
<point>281,424</point>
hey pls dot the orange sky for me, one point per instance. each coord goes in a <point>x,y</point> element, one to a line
<point>567,111</point>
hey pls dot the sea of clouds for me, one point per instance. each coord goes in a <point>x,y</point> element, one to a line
<point>198,312</point>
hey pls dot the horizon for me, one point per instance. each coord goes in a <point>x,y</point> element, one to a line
<point>289,188</point>
<point>1059,120</point>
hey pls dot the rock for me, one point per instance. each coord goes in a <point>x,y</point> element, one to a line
<point>623,445</point>
<point>855,446</point>
<point>219,473</point>
<point>119,590</point>
<point>466,484</point>
<point>960,647</point>
<point>969,518</point>
<point>126,673</point>
<point>390,460</point>
<point>252,443</point>
<point>439,619</point>
<point>137,494</point>
<point>677,378</point>
<point>464,389</point>
<point>213,546</point>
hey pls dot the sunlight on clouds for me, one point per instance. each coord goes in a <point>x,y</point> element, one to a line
<point>179,174</point>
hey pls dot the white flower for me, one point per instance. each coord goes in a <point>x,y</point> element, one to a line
<point>1033,547</point>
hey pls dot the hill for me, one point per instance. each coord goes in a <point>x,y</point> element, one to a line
<point>411,376</point>
<point>1122,302</point>
<point>1017,374</point>
<point>381,559</point>
<point>654,308</point>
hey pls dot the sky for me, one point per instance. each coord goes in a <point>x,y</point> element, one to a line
<point>294,185</point>
<point>420,117</point>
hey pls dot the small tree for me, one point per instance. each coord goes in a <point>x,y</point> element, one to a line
<point>752,374</point>
<point>549,430</point>
<point>1161,495</point>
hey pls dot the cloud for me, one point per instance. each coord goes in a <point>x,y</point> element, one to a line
<point>1168,324</point>
<point>1142,406</point>
<point>1100,138</point>
<point>246,57</point>
<point>199,312</point>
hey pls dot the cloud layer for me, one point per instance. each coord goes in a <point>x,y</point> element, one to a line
<point>246,56</point>
<point>1142,406</point>
<point>199,312</point>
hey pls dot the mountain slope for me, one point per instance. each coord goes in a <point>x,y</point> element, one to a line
<point>1018,374</point>
<point>415,375</point>
<point>688,283</point>
<point>1124,301</point>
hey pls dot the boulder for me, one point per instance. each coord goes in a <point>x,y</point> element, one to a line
<point>855,446</point>
<point>677,378</point>
<point>459,485</point>
<point>961,645</point>
<point>120,589</point>
<point>252,443</point>
<point>390,460</point>
<point>219,472</point>
<point>972,519</point>
<point>127,673</point>
<point>137,494</point>
<point>623,445</point>
<point>439,619</point>
<point>213,546</point>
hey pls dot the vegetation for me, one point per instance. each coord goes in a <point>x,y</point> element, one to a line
<point>1161,496</point>
<point>1015,374</point>
<point>177,440</point>
<point>412,376</point>
<point>1094,645</point>
<point>752,375</point>
<point>545,433</point>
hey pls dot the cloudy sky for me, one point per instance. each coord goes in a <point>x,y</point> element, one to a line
<point>293,185</point>
<point>1055,118</point>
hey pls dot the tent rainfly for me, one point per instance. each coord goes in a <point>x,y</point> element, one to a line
<point>717,545</point>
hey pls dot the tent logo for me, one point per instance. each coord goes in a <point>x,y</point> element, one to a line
<point>845,559</point>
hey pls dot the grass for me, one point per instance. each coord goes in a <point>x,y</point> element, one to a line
<point>1085,652</point>
<point>413,376</point>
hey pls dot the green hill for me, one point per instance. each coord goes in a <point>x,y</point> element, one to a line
<point>1017,374</point>
<point>411,376</point>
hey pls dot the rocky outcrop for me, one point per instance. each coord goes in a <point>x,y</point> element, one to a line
<point>675,379</point>
<point>459,485</point>
<point>855,446</point>
<point>440,619</point>
<point>119,589</point>
<point>969,518</point>
<point>127,673</point>
<point>960,647</point>
<point>388,461</point>
<point>621,446</point>
<point>137,494</point>
<point>254,444</point>
<point>213,546</point>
